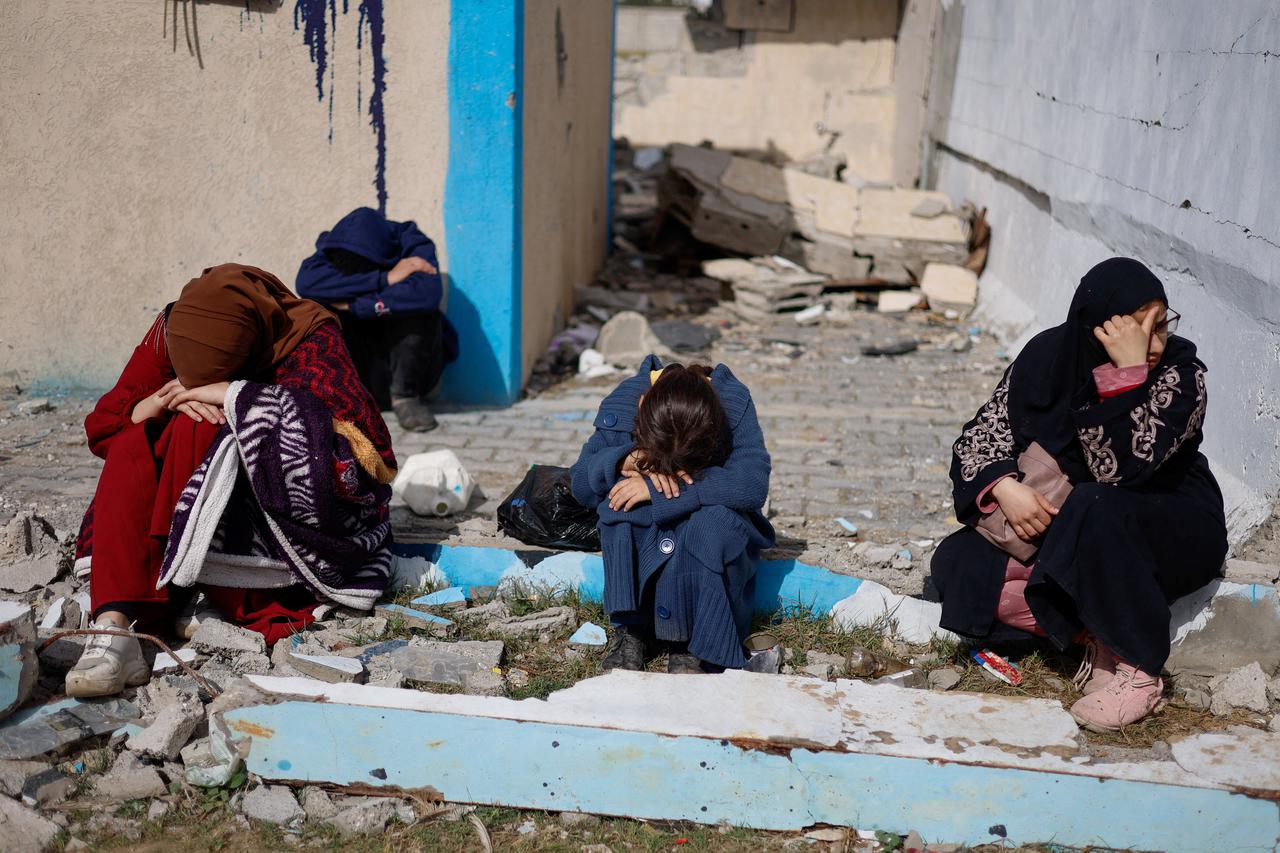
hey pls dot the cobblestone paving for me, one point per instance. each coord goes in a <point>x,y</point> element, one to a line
<point>851,436</point>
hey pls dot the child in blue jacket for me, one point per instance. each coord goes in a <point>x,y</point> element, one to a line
<point>382,279</point>
<point>679,471</point>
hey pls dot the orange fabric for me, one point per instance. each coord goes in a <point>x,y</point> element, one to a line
<point>236,321</point>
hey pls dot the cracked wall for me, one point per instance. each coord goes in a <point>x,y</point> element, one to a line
<point>1090,130</point>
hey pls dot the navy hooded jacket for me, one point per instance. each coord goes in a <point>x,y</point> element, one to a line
<point>370,236</point>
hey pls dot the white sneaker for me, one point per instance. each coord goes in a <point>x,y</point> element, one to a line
<point>110,663</point>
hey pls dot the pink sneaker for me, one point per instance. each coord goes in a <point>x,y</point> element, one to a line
<point>1097,668</point>
<point>1129,696</point>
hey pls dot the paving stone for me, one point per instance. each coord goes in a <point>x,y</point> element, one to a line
<point>273,804</point>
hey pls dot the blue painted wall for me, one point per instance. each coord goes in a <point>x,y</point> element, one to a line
<point>482,203</point>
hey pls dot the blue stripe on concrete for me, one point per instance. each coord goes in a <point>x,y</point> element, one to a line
<point>706,780</point>
<point>779,583</point>
<point>482,200</point>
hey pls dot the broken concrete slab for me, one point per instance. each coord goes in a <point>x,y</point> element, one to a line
<point>33,732</point>
<point>437,662</point>
<point>790,753</point>
<point>24,830</point>
<point>28,573</point>
<point>588,634</point>
<point>544,621</point>
<point>331,668</point>
<point>450,598</point>
<point>170,731</point>
<point>19,666</point>
<point>950,287</point>
<point>362,816</point>
<point>215,637</point>
<point>130,779</point>
<point>273,804</point>
<point>437,626</point>
<point>27,535</point>
<point>1250,572</point>
<point>166,664</point>
<point>1245,687</point>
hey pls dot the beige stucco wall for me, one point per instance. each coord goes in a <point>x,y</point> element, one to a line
<point>680,81</point>
<point>565,155</point>
<point>126,169</point>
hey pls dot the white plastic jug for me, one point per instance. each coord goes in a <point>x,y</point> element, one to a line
<point>434,483</point>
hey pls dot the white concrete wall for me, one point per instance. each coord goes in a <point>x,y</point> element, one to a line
<point>685,80</point>
<point>126,169</point>
<point>1148,129</point>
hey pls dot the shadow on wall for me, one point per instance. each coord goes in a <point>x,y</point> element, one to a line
<point>478,373</point>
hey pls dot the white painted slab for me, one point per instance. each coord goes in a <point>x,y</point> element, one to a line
<point>1240,757</point>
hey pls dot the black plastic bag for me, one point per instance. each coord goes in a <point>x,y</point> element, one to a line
<point>542,511</point>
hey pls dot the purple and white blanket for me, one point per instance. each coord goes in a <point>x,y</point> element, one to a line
<point>280,499</point>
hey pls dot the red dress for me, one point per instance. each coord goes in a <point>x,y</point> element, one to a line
<point>148,464</point>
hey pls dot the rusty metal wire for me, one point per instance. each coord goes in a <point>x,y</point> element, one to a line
<point>151,638</point>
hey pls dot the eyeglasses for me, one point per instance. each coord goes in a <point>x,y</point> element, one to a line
<point>1170,323</point>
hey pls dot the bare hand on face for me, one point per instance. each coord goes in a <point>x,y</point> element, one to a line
<point>1029,513</point>
<point>407,267</point>
<point>201,404</point>
<point>631,491</point>
<point>1127,341</point>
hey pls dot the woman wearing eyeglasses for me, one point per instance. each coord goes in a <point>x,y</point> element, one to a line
<point>1117,402</point>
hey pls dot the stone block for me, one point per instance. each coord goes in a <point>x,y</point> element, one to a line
<point>130,779</point>
<point>330,668</point>
<point>362,816</point>
<point>14,775</point>
<point>1245,687</point>
<point>897,301</point>
<point>174,725</point>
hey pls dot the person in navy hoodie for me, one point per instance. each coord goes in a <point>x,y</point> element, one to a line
<point>383,280</point>
<point>679,471</point>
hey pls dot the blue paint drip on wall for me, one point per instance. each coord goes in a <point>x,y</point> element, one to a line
<point>318,22</point>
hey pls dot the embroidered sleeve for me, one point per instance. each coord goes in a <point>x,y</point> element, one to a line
<point>1127,438</point>
<point>984,453</point>
<point>987,438</point>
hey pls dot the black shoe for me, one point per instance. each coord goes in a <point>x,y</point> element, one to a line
<point>626,650</point>
<point>413,414</point>
<point>680,662</point>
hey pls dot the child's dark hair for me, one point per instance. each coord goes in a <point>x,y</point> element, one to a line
<point>681,425</point>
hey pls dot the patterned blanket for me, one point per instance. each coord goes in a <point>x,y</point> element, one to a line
<point>281,499</point>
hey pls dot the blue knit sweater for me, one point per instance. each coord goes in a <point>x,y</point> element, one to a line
<point>703,543</point>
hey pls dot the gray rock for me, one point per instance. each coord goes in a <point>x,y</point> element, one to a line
<point>363,816</point>
<point>251,664</point>
<point>1197,699</point>
<point>23,830</point>
<point>1057,685</point>
<point>130,779</point>
<point>626,339</point>
<point>28,573</point>
<point>46,788</point>
<point>817,670</point>
<point>1273,689</point>
<point>1245,687</point>
<point>169,733</point>
<point>14,775</point>
<point>578,819</point>
<point>330,668</point>
<point>836,662</point>
<point>157,810</point>
<point>27,535</point>
<point>944,679</point>
<point>317,803</point>
<point>216,637</point>
<point>544,621</point>
<point>273,804</point>
<point>1274,725</point>
<point>34,406</point>
<point>494,611</point>
<point>484,682</point>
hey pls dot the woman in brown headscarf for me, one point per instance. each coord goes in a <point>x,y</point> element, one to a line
<point>153,430</point>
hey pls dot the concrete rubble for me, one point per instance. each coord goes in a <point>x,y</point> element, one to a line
<point>273,804</point>
<point>30,555</point>
<point>1245,687</point>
